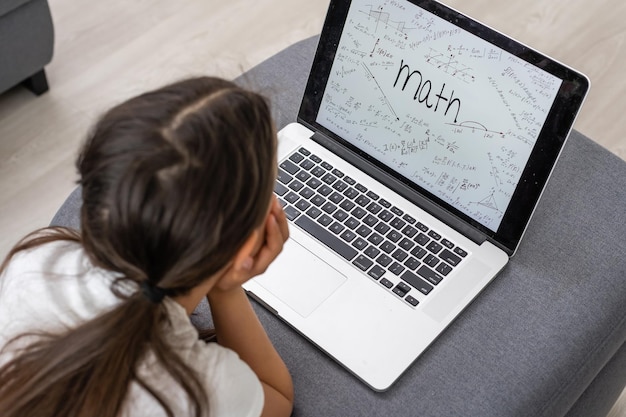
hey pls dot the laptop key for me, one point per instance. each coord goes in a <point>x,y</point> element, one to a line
<point>337,228</point>
<point>296,157</point>
<point>314,212</point>
<point>401,289</point>
<point>386,283</point>
<point>327,238</point>
<point>450,257</point>
<point>280,189</point>
<point>444,269</point>
<point>347,205</point>
<point>318,171</point>
<point>283,176</point>
<point>434,235</point>
<point>291,212</point>
<point>349,180</point>
<point>412,263</point>
<point>292,197</point>
<point>409,231</point>
<point>418,252</point>
<point>296,185</point>
<point>430,275</point>
<point>360,244</point>
<point>412,300</point>
<point>370,220</point>
<point>325,220</point>
<point>460,252</point>
<point>314,183</point>
<point>376,272</point>
<point>374,208</point>
<point>434,247</point>
<point>329,208</point>
<point>373,195</point>
<point>318,200</point>
<point>406,244</point>
<point>340,186</point>
<point>372,252</point>
<point>306,192</point>
<point>396,268</point>
<point>417,283</point>
<point>325,190</point>
<point>335,197</point>
<point>364,231</point>
<point>382,228</point>
<point>307,164</point>
<point>329,179</point>
<point>303,205</point>
<point>384,260</point>
<point>340,215</point>
<point>349,236</point>
<point>397,223</point>
<point>362,262</point>
<point>290,167</point>
<point>422,239</point>
<point>399,255</point>
<point>303,176</point>
<point>358,212</point>
<point>447,243</point>
<point>409,219</point>
<point>431,260</point>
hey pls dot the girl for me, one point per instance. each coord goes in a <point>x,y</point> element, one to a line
<point>177,205</point>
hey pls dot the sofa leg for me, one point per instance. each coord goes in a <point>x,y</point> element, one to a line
<point>37,83</point>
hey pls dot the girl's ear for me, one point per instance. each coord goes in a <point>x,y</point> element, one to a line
<point>243,262</point>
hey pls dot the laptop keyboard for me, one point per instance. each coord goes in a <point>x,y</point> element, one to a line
<point>378,238</point>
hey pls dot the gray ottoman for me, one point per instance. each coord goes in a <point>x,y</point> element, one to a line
<point>26,44</point>
<point>546,338</point>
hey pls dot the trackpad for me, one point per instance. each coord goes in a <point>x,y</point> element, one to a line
<point>300,279</point>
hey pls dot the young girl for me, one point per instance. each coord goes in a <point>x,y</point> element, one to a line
<point>177,206</point>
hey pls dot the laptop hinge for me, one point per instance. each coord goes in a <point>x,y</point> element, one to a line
<point>405,191</point>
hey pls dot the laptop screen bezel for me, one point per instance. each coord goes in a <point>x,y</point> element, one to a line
<point>547,148</point>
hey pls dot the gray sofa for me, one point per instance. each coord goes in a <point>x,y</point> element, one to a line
<point>546,338</point>
<point>26,44</point>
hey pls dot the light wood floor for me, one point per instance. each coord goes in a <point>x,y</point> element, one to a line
<point>107,51</point>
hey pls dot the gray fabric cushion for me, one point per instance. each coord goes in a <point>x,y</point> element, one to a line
<point>531,343</point>
<point>26,41</point>
<point>7,6</point>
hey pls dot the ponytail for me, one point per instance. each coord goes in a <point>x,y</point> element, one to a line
<point>88,370</point>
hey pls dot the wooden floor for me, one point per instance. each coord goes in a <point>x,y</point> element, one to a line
<point>107,51</point>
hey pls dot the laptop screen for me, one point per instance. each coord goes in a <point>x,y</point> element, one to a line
<point>458,111</point>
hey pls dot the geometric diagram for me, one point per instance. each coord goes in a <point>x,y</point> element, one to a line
<point>383,17</point>
<point>489,202</point>
<point>468,124</point>
<point>449,65</point>
<point>384,98</point>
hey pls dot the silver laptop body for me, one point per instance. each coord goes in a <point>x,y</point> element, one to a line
<point>423,144</point>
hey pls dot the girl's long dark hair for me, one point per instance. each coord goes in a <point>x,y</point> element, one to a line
<point>173,182</point>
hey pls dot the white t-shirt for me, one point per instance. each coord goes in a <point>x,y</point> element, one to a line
<point>54,286</point>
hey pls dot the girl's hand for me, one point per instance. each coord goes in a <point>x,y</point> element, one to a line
<point>259,251</point>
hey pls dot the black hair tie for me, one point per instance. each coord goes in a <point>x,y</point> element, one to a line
<point>152,292</point>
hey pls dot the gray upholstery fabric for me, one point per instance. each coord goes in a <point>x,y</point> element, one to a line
<point>26,40</point>
<point>7,6</point>
<point>532,343</point>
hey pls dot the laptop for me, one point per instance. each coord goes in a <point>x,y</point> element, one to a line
<point>423,143</point>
